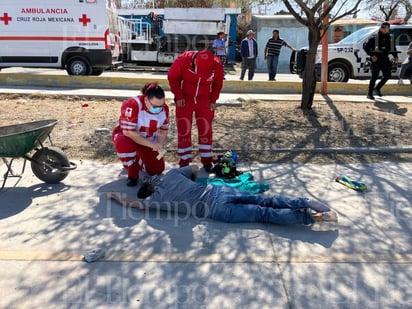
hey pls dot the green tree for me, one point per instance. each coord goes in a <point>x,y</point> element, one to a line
<point>312,15</point>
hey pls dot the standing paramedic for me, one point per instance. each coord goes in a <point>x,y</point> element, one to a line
<point>272,52</point>
<point>195,79</point>
<point>378,47</point>
<point>141,131</point>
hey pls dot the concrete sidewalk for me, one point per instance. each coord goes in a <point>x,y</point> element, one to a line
<point>160,261</point>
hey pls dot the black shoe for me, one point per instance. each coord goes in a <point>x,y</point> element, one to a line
<point>131,182</point>
<point>370,97</point>
<point>378,92</point>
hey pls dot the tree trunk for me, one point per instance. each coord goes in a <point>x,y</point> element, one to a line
<point>309,74</point>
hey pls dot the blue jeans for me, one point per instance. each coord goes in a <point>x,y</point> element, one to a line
<point>233,206</point>
<point>272,62</point>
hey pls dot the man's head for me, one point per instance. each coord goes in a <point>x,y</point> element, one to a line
<point>146,190</point>
<point>385,27</point>
<point>250,33</point>
<point>220,34</point>
<point>275,33</point>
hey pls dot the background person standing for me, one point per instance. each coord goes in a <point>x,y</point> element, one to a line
<point>219,46</point>
<point>195,79</point>
<point>272,52</point>
<point>378,47</point>
<point>248,52</point>
<point>406,65</point>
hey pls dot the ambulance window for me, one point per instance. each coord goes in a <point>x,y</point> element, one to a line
<point>402,36</point>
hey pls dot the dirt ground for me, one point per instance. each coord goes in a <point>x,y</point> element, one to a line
<point>265,132</point>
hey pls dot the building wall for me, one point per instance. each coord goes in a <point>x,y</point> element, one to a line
<point>289,29</point>
<point>296,35</point>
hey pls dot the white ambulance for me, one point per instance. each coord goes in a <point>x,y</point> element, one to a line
<point>80,36</point>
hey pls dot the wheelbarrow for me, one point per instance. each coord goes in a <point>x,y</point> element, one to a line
<point>49,164</point>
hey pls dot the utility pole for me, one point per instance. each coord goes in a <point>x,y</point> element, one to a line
<point>324,64</point>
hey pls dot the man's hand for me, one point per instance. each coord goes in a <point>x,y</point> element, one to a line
<point>180,102</point>
<point>162,152</point>
<point>374,58</point>
<point>212,106</point>
<point>156,146</point>
<point>122,200</point>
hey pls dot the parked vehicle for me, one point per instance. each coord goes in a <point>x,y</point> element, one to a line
<point>347,59</point>
<point>158,36</point>
<point>80,36</point>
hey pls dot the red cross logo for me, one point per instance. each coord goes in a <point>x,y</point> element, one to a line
<point>84,19</point>
<point>6,18</point>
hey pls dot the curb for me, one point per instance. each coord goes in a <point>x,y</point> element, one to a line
<point>229,86</point>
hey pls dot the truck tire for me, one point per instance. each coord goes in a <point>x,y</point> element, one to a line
<point>338,73</point>
<point>78,66</point>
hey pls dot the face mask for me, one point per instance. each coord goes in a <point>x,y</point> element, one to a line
<point>155,109</point>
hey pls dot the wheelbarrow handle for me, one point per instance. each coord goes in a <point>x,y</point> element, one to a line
<point>72,166</point>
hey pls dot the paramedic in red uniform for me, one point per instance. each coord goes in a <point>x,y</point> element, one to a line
<point>195,79</point>
<point>141,131</point>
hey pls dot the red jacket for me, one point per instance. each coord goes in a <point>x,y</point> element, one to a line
<point>196,75</point>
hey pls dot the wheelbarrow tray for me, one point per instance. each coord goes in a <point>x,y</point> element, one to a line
<point>19,139</point>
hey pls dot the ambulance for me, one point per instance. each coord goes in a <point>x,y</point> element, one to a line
<point>79,36</point>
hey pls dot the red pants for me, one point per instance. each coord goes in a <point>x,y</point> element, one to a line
<point>137,157</point>
<point>184,119</point>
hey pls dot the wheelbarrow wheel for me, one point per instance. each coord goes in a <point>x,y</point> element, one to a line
<point>49,163</point>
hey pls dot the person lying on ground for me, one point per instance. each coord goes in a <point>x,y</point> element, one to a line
<point>177,192</point>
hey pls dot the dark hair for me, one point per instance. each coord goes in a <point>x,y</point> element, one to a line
<point>153,90</point>
<point>276,30</point>
<point>146,190</point>
<point>385,25</point>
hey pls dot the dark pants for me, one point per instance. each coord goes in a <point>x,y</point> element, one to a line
<point>385,67</point>
<point>248,64</point>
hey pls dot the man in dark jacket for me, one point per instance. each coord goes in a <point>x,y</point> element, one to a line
<point>378,47</point>
<point>249,53</point>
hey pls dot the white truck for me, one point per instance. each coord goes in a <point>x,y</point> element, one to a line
<point>80,36</point>
<point>347,59</point>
